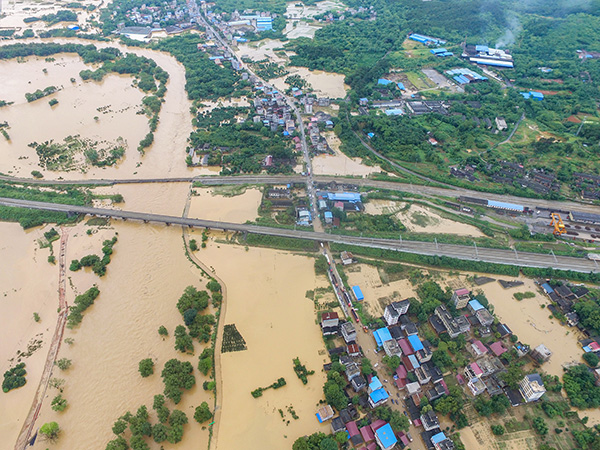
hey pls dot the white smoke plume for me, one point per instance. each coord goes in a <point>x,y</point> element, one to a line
<point>511,33</point>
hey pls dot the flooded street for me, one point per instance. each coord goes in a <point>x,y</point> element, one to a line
<point>340,164</point>
<point>325,84</point>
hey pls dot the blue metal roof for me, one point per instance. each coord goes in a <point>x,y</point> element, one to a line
<point>328,215</point>
<point>344,196</point>
<point>475,305</point>
<point>437,438</point>
<point>493,62</point>
<point>547,288</point>
<point>379,395</point>
<point>358,293</point>
<point>382,335</point>
<point>375,384</point>
<point>526,95</point>
<point>401,86</point>
<point>435,51</point>
<point>503,205</point>
<point>386,436</point>
<point>414,361</point>
<point>482,48</point>
<point>537,95</point>
<point>383,81</point>
<point>415,342</point>
<point>394,112</point>
<point>460,79</point>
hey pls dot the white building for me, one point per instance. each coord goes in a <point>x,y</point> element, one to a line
<point>532,387</point>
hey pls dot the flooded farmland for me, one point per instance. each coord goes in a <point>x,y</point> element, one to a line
<point>76,111</point>
<point>267,303</point>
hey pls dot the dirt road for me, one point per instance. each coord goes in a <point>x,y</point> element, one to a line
<point>29,424</point>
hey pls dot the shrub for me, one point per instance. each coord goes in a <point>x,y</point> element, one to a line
<point>63,363</point>
<point>163,331</point>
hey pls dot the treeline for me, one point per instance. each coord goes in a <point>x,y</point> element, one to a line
<point>470,266</point>
<point>97,264</point>
<point>62,15</point>
<point>204,78</point>
<point>33,96</point>
<point>81,303</point>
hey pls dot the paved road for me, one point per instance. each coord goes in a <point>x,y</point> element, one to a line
<point>421,248</point>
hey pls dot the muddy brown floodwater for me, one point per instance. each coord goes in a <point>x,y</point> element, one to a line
<point>266,301</point>
<point>28,284</point>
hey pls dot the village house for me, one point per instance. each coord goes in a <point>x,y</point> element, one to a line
<point>430,421</point>
<point>460,298</point>
<point>348,332</point>
<point>385,437</point>
<point>541,353</point>
<point>532,387</point>
<point>394,310</point>
<point>477,349</point>
<point>329,323</point>
<point>454,325</point>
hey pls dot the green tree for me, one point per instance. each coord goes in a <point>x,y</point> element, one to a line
<point>58,403</point>
<point>160,432</point>
<point>178,418</point>
<point>183,341</point>
<point>498,430</point>
<point>175,434</point>
<point>146,367</point>
<point>192,298</point>
<point>120,443</point>
<point>539,425</point>
<point>177,375</point>
<point>328,444</point>
<point>513,376</point>
<point>119,427</point>
<point>591,359</point>
<point>202,413</point>
<point>138,443</point>
<point>163,331</point>
<point>213,286</point>
<point>50,431</point>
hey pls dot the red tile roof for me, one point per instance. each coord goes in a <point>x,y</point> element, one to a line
<point>329,315</point>
<point>367,433</point>
<point>498,348</point>
<point>352,428</point>
<point>405,347</point>
<point>476,369</point>
<point>377,425</point>
<point>401,371</point>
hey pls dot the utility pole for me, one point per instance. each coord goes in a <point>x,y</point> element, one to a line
<point>555,260</point>
<point>516,255</point>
